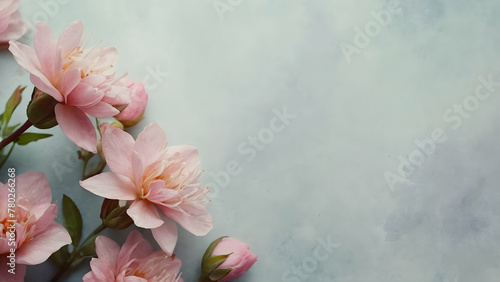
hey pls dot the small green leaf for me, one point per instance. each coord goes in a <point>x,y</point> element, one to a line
<point>29,137</point>
<point>218,274</point>
<point>210,249</point>
<point>72,220</point>
<point>212,263</point>
<point>10,129</point>
<point>11,105</point>
<point>61,256</point>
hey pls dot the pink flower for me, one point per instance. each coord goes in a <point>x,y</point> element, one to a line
<point>134,112</point>
<point>12,27</point>
<point>81,79</point>
<point>135,261</point>
<point>153,176</point>
<point>240,258</point>
<point>37,236</point>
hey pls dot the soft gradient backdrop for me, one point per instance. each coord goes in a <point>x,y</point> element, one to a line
<point>217,78</point>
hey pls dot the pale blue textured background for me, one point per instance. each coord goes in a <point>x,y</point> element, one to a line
<point>323,175</point>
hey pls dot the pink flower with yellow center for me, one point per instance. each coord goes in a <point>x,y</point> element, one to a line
<point>78,76</point>
<point>153,176</point>
<point>36,234</point>
<point>12,27</point>
<point>134,261</point>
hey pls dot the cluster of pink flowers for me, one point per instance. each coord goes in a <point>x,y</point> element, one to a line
<point>159,183</point>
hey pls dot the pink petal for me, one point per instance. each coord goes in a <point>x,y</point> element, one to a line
<point>110,185</point>
<point>144,214</point>
<point>84,95</point>
<point>107,251</point>
<point>135,247</point>
<point>16,28</point>
<point>70,37</point>
<point>77,127</point>
<point>46,219</point>
<point>193,217</point>
<point>101,110</point>
<point>46,87</point>
<point>34,187</point>
<point>43,245</point>
<point>138,170</point>
<point>166,236</point>
<point>118,146</point>
<point>69,80</point>
<point>46,50</point>
<point>150,143</point>
<point>26,58</point>
<point>188,155</point>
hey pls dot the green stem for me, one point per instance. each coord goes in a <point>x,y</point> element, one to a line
<point>85,163</point>
<point>76,253</point>
<point>8,155</point>
<point>15,134</point>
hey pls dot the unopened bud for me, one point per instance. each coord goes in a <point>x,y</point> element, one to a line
<point>115,216</point>
<point>41,110</point>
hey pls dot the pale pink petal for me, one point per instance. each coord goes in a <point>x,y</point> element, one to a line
<point>34,187</point>
<point>144,214</point>
<point>187,155</point>
<point>118,146</point>
<point>166,236</point>
<point>117,95</point>
<point>110,185</point>
<point>26,58</point>
<point>135,247</point>
<point>193,217</point>
<point>16,28</point>
<point>70,37</point>
<point>107,251</point>
<point>46,219</point>
<point>77,127</point>
<point>69,80</point>
<point>84,95</point>
<point>101,110</point>
<point>43,245</point>
<point>90,276</point>
<point>150,143</point>
<point>138,170</point>
<point>100,272</point>
<point>94,79</point>
<point>46,50</point>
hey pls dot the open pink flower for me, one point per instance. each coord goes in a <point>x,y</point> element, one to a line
<point>134,112</point>
<point>153,176</point>
<point>37,236</point>
<point>81,79</point>
<point>134,261</point>
<point>12,27</point>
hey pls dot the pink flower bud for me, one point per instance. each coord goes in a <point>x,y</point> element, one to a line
<point>134,112</point>
<point>226,259</point>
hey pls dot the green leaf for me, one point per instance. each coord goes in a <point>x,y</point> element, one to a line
<point>10,129</point>
<point>218,274</point>
<point>29,137</point>
<point>210,249</point>
<point>61,256</point>
<point>72,220</point>
<point>11,105</point>
<point>212,263</point>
